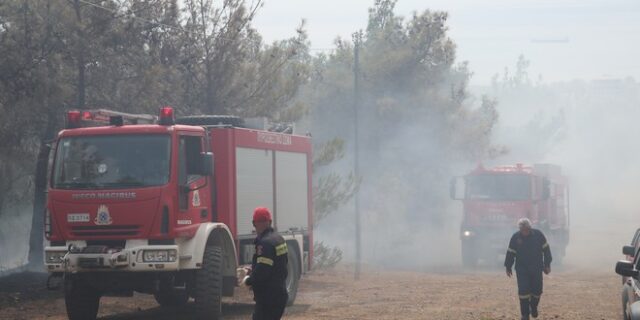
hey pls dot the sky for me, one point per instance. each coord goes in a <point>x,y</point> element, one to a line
<point>564,39</point>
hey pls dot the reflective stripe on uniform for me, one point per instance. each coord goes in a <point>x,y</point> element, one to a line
<point>266,261</point>
<point>525,296</point>
<point>545,245</point>
<point>534,296</point>
<point>511,250</point>
<point>281,249</point>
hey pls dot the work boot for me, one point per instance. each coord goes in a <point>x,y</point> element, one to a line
<point>525,308</point>
<point>534,306</point>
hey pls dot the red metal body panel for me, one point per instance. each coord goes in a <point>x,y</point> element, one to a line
<point>310,203</point>
<point>139,217</point>
<point>496,198</point>
<point>223,148</point>
<point>224,144</point>
<point>495,213</point>
<point>479,212</point>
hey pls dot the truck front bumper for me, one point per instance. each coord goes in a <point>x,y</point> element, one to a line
<point>87,259</point>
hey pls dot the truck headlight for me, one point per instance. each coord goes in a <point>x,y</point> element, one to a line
<point>54,256</point>
<point>468,233</point>
<point>160,255</point>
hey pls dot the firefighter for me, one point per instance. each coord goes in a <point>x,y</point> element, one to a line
<point>532,255</point>
<point>268,273</point>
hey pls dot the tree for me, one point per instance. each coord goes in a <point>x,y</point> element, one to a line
<point>133,56</point>
<point>533,114</point>
<point>417,119</point>
<point>228,69</point>
<point>331,190</point>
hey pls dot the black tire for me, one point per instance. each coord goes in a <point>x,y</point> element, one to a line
<point>208,285</point>
<point>210,120</point>
<point>293,276</point>
<point>170,297</point>
<point>469,256</point>
<point>81,300</point>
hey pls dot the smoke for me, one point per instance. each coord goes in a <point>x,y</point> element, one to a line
<point>587,127</point>
<point>15,227</point>
<point>407,219</point>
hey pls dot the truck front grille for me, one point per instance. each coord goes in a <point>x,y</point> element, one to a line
<point>91,263</point>
<point>113,230</point>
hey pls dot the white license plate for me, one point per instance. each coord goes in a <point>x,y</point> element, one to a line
<point>78,217</point>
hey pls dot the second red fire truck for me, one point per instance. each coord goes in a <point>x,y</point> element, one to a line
<point>136,203</point>
<point>494,199</point>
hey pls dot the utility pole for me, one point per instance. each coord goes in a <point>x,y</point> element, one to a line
<point>357,40</point>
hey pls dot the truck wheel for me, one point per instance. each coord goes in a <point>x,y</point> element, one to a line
<point>170,297</point>
<point>208,285</point>
<point>82,301</point>
<point>469,259</point>
<point>293,277</point>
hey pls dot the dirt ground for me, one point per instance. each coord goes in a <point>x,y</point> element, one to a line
<point>379,294</point>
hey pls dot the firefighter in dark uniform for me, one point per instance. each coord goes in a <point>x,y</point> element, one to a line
<point>268,272</point>
<point>532,255</point>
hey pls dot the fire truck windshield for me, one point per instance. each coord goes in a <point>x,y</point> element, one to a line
<point>112,162</point>
<point>499,187</point>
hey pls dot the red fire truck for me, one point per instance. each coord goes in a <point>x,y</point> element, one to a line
<point>136,203</point>
<point>495,199</point>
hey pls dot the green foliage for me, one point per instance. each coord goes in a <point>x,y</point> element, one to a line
<point>199,56</point>
<point>204,57</point>
<point>416,119</point>
<point>331,190</point>
<point>325,257</point>
<point>517,80</point>
<point>328,152</point>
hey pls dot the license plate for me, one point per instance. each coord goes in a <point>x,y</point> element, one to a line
<point>78,217</point>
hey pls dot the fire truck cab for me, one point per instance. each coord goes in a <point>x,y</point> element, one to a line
<point>494,199</point>
<point>137,203</point>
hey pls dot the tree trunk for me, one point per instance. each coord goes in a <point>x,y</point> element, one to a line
<point>36,237</point>
<point>81,85</point>
<point>39,202</point>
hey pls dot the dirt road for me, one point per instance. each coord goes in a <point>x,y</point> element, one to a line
<point>486,294</point>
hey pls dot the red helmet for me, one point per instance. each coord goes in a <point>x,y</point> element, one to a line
<point>261,214</point>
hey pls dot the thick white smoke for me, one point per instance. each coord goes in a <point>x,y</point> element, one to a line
<point>588,128</point>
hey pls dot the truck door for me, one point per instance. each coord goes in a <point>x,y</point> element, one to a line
<point>194,188</point>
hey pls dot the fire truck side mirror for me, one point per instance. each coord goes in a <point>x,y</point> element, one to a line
<point>206,168</point>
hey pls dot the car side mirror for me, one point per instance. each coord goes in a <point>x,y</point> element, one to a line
<point>626,269</point>
<point>629,251</point>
